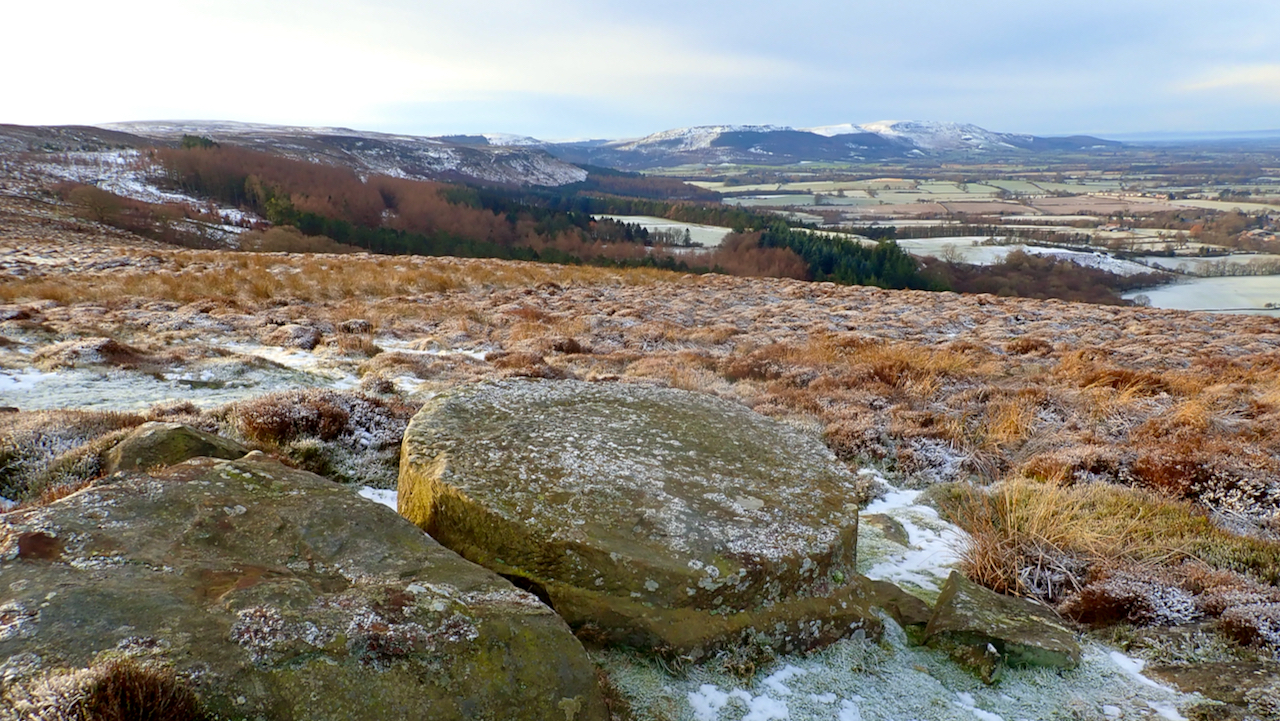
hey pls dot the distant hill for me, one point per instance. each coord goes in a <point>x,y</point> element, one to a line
<point>408,156</point>
<point>518,160</point>
<point>779,145</point>
<point>404,156</point>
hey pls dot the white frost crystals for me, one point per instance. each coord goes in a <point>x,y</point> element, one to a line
<point>708,701</point>
<point>894,681</point>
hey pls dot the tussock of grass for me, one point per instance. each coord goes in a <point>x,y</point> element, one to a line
<point>1041,539</point>
<point>345,436</point>
<point>44,451</point>
<point>117,690</point>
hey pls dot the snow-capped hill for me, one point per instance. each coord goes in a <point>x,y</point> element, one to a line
<point>933,136</point>
<point>945,136</point>
<point>830,131</point>
<point>228,129</point>
<point>505,139</point>
<point>699,137</point>
<point>781,145</point>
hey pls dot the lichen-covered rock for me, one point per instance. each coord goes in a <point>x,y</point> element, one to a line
<point>984,630</point>
<point>902,607</point>
<point>293,336</point>
<point>651,517</point>
<point>276,594</point>
<point>157,444</point>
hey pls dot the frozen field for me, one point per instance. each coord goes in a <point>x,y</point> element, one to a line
<point>966,252</point>
<point>250,370</point>
<point>1247,294</point>
<point>1195,265</point>
<point>707,235</point>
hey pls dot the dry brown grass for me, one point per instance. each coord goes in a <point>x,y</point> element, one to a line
<point>1022,526</point>
<point>196,275</point>
<point>1009,421</point>
<point>1042,539</point>
<point>356,344</point>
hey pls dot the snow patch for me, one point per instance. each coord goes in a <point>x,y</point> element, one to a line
<point>933,544</point>
<point>385,496</point>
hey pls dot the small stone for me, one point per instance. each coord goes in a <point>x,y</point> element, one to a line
<point>156,445</point>
<point>969,618</point>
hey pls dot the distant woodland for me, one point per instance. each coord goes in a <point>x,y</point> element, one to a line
<point>313,207</point>
<point>394,215</point>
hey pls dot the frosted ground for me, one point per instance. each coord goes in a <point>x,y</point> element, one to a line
<point>1195,265</point>
<point>857,680</point>
<point>854,679</point>
<point>251,371</point>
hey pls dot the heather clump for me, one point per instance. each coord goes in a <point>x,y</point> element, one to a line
<point>346,436</point>
<point>118,689</point>
<point>42,450</point>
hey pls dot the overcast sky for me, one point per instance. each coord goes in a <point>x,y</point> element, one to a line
<point>622,68</point>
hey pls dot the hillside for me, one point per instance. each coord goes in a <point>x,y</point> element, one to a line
<point>778,145</point>
<point>1028,425</point>
<point>404,156</point>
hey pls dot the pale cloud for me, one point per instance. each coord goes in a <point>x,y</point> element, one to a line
<point>606,68</point>
<point>1257,78</point>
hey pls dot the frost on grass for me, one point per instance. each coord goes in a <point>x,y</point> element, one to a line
<point>1136,596</point>
<point>46,449</point>
<point>1254,624</point>
<point>112,689</point>
<point>1246,611</point>
<point>345,436</point>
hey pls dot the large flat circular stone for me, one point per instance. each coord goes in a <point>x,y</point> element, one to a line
<point>635,508</point>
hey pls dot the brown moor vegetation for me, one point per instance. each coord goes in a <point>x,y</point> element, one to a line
<point>1107,444</point>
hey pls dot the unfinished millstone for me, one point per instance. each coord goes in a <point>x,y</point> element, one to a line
<point>157,444</point>
<point>986,630</point>
<point>651,517</point>
<point>276,594</point>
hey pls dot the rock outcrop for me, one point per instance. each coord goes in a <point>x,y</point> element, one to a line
<point>276,594</point>
<point>986,631</point>
<point>158,444</point>
<point>293,335</point>
<point>650,517</point>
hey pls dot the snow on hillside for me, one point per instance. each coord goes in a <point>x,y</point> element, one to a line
<point>175,129</point>
<point>921,135</point>
<point>831,131</point>
<point>406,156</point>
<point>510,139</point>
<point>129,174</point>
<point>970,249</point>
<point>942,136</point>
<point>696,138</point>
